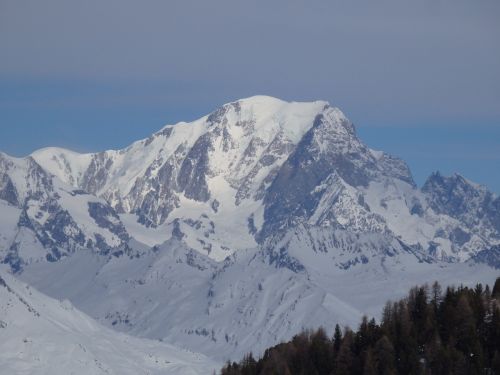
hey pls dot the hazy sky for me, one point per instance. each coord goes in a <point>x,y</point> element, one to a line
<point>420,79</point>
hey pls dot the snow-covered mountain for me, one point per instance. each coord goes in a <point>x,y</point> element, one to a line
<point>45,219</point>
<point>256,167</point>
<point>40,335</point>
<point>232,232</point>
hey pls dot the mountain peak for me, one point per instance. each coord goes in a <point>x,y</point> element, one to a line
<point>450,182</point>
<point>259,109</point>
<point>261,105</point>
<point>271,100</point>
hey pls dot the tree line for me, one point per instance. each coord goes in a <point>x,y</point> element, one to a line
<point>430,331</point>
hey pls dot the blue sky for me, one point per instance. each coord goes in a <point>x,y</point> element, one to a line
<point>419,79</point>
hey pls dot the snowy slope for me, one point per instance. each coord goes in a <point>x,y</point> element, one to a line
<point>66,165</point>
<point>40,335</point>
<point>249,302</point>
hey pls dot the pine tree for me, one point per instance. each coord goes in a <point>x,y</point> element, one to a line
<point>249,365</point>
<point>495,293</point>
<point>320,352</point>
<point>343,363</point>
<point>362,339</point>
<point>437,292</point>
<point>495,363</point>
<point>385,356</point>
<point>465,326</point>
<point>369,367</point>
<point>337,339</point>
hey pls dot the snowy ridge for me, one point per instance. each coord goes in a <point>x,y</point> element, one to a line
<point>66,165</point>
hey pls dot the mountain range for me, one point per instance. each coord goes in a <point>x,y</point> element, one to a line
<point>235,231</point>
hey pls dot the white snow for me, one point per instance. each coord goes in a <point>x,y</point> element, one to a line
<point>9,217</point>
<point>67,165</point>
<point>40,335</point>
<point>225,310</point>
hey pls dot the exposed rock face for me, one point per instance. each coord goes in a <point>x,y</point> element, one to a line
<point>473,205</point>
<point>327,159</point>
<point>96,175</point>
<point>490,257</point>
<point>8,192</point>
<point>195,170</point>
<point>456,197</point>
<point>106,217</point>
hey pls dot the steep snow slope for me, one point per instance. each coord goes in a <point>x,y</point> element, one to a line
<point>40,335</point>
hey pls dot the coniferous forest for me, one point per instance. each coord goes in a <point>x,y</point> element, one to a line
<point>431,331</point>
